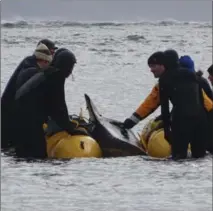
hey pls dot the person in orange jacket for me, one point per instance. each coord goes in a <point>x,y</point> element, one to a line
<point>151,103</point>
<point>153,100</point>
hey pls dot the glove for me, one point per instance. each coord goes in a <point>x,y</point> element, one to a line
<point>122,128</point>
<point>80,131</point>
<point>128,123</point>
<point>132,121</point>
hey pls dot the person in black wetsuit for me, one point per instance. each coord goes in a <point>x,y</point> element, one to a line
<point>43,58</point>
<point>188,123</point>
<point>37,98</point>
<point>29,61</point>
<point>8,94</point>
<point>186,61</point>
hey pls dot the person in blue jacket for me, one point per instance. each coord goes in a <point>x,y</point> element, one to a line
<point>187,62</point>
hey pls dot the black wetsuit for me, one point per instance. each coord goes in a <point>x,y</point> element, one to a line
<point>188,123</point>
<point>7,99</point>
<point>205,86</point>
<point>37,98</point>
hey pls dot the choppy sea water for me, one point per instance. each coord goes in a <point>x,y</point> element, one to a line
<point>112,69</point>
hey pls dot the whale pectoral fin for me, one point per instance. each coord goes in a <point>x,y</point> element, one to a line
<point>117,123</point>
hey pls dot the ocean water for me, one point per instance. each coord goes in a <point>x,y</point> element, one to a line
<point>112,69</point>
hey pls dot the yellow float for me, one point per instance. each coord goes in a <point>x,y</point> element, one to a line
<point>62,145</point>
<point>152,139</point>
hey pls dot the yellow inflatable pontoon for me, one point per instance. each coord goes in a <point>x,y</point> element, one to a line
<point>62,145</point>
<point>152,139</point>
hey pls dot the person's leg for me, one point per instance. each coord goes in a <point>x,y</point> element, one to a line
<point>180,138</point>
<point>200,137</point>
<point>29,139</point>
<point>210,130</point>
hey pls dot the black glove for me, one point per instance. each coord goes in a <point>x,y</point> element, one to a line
<point>121,126</point>
<point>132,121</point>
<point>128,123</point>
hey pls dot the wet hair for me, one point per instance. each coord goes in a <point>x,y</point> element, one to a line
<point>156,58</point>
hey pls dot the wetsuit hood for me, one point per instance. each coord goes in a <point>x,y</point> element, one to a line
<point>171,59</point>
<point>64,61</point>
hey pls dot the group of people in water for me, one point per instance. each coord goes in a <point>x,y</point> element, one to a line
<point>35,93</point>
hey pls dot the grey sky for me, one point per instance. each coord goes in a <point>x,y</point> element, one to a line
<point>108,10</point>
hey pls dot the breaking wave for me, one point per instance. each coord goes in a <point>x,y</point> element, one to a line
<point>56,23</point>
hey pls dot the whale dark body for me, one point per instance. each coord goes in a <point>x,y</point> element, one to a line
<point>114,140</point>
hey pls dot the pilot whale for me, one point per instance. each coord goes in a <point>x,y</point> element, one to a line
<point>114,140</point>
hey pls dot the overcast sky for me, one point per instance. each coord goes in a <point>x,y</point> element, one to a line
<point>108,10</point>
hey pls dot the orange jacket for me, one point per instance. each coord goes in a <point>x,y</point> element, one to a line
<point>152,101</point>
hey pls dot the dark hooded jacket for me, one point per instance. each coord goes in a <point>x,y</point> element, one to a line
<point>41,94</point>
<point>8,96</point>
<point>181,87</point>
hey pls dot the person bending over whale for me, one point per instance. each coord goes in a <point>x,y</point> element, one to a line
<point>152,102</point>
<point>165,67</point>
<point>43,58</point>
<point>40,97</point>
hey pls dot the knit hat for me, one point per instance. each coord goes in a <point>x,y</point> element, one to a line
<point>43,53</point>
<point>210,70</point>
<point>186,62</point>
<point>156,58</point>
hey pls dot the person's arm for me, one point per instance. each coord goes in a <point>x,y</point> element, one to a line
<point>164,101</point>
<point>206,87</point>
<point>10,89</point>
<point>148,106</point>
<point>58,108</point>
<point>208,103</point>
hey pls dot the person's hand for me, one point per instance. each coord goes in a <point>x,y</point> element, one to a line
<point>128,123</point>
<point>120,125</point>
